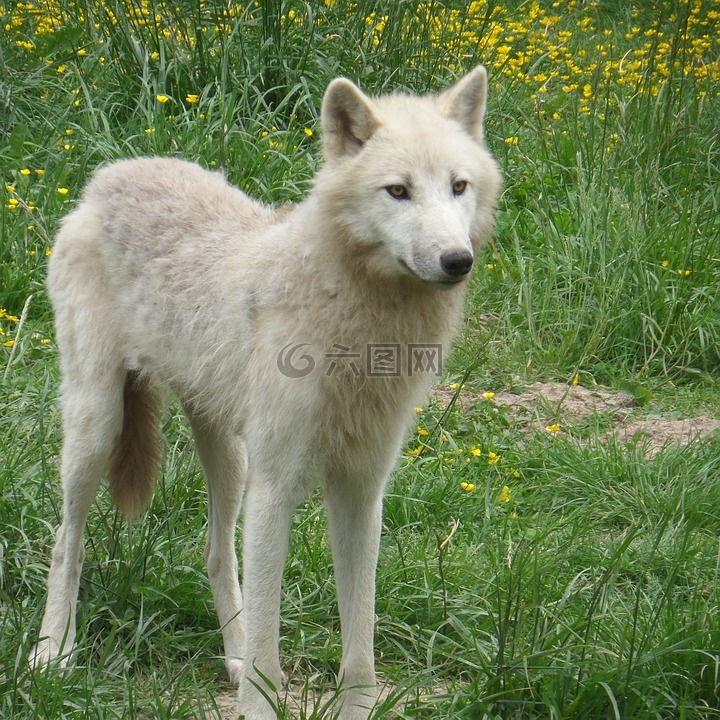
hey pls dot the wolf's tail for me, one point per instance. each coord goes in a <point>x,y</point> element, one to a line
<point>137,451</point>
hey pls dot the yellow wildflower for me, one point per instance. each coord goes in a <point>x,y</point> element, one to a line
<point>467,487</point>
<point>488,395</point>
<point>504,495</point>
<point>162,99</point>
<point>63,190</point>
<point>493,458</point>
<point>553,428</point>
<point>191,99</point>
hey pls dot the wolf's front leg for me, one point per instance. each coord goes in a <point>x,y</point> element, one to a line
<point>355,521</point>
<point>266,531</point>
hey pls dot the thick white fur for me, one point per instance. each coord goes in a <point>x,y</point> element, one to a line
<point>166,271</point>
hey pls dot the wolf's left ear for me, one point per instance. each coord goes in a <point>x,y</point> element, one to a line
<point>466,100</point>
<point>349,119</point>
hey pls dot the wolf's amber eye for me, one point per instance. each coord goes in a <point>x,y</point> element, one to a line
<point>399,192</point>
<point>459,186</point>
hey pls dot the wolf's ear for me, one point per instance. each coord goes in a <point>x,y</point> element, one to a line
<point>348,119</point>
<point>466,100</point>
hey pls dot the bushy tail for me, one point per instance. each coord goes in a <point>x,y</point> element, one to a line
<point>137,451</point>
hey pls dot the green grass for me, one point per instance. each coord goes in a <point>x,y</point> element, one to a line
<point>572,576</point>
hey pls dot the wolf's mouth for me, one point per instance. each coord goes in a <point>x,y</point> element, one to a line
<point>448,282</point>
<point>408,269</point>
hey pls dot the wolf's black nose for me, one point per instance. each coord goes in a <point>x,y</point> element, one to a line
<point>456,263</point>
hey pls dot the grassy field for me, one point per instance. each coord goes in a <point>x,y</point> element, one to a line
<point>532,566</point>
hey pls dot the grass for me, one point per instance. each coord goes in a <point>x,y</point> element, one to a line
<point>559,577</point>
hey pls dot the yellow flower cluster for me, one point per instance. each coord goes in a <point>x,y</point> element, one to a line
<point>540,48</point>
<point>541,44</point>
<point>9,318</point>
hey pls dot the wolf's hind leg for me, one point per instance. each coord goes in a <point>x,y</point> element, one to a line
<point>92,418</point>
<point>224,461</point>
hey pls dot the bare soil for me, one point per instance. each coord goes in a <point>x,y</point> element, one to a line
<point>540,405</point>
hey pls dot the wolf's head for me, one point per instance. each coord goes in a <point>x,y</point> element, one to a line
<point>410,177</point>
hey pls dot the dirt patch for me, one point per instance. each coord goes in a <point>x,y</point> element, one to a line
<point>563,407</point>
<point>657,433</point>
<point>552,402</point>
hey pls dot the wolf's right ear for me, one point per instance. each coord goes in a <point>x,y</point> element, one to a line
<point>466,100</point>
<point>349,119</point>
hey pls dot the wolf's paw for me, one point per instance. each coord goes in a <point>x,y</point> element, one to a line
<point>258,697</point>
<point>258,708</point>
<point>354,712</point>
<point>235,669</point>
<point>357,704</point>
<point>45,652</point>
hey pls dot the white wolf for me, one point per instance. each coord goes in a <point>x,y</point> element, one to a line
<point>165,276</point>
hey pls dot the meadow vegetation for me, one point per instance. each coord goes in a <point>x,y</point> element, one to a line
<point>528,570</point>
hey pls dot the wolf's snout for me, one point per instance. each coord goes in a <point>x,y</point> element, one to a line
<point>457,264</point>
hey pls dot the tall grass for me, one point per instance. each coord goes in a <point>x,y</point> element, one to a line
<point>563,575</point>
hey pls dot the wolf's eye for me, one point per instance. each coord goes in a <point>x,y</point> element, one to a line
<point>459,187</point>
<point>399,192</point>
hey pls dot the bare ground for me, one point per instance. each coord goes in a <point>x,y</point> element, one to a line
<point>540,405</point>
